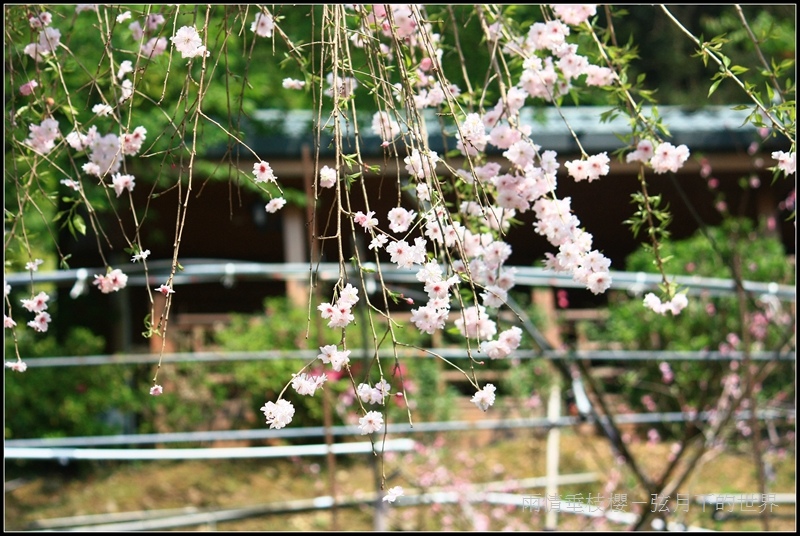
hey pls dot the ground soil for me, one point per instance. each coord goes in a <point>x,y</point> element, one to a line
<point>37,491</point>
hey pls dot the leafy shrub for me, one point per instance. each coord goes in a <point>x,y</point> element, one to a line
<point>65,401</point>
<point>710,322</point>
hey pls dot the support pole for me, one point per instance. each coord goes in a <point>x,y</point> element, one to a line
<point>553,438</point>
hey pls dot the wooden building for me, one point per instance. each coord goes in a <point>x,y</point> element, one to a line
<point>227,221</point>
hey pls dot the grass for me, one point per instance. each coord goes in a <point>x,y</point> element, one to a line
<point>449,461</point>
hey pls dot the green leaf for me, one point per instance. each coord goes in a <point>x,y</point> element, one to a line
<point>79,224</point>
<point>714,87</point>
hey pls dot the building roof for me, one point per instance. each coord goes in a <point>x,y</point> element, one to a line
<point>283,133</point>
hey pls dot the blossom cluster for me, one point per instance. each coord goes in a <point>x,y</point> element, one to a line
<point>373,395</point>
<point>37,305</point>
<point>114,281</point>
<point>279,413</point>
<point>339,313</point>
<point>674,306</point>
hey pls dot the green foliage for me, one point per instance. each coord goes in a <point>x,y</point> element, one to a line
<point>709,323</point>
<point>65,401</point>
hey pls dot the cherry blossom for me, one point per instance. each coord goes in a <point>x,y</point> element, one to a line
<point>113,281</point>
<point>188,42</point>
<point>17,366</point>
<point>122,17</point>
<point>371,422</point>
<point>141,256</point>
<point>49,40</point>
<point>166,290</point>
<point>405,255</point>
<point>378,242</point>
<point>275,204</point>
<point>28,87</point>
<point>263,25</point>
<point>291,83</point>
<point>40,21</point>
<point>393,493</point>
<point>263,172</point>
<point>574,14</point>
<point>8,322</point>
<point>37,304</point>
<point>421,165</point>
<point>327,177</point>
<point>787,161</point>
<point>485,397</point>
<point>40,322</point>
<point>278,414</point>
<point>102,109</point>
<point>33,265</point>
<point>105,155</point>
<point>367,221</point>
<point>125,67</point>
<point>155,46</point>
<point>344,86</point>
<point>156,390</point>
<point>126,90</point>
<point>667,157</point>
<point>131,142</point>
<point>42,137</point>
<point>674,306</point>
<point>307,385</point>
<point>475,323</point>
<point>336,358</point>
<point>384,126</point>
<point>373,395</point>
<point>122,183</point>
<point>153,21</point>
<point>136,30</point>
<point>400,219</point>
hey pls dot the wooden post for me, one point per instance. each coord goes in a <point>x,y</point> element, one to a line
<point>545,300</point>
<point>553,438</point>
<point>294,239</point>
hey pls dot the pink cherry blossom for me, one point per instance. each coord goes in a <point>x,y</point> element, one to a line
<point>371,422</point>
<point>122,183</point>
<point>155,46</point>
<point>28,87</point>
<point>787,161</point>
<point>156,390</point>
<point>263,25</point>
<point>263,172</point>
<point>400,219</point>
<point>166,290</point>
<point>667,157</point>
<point>327,177</point>
<point>393,493</point>
<point>113,281</point>
<point>33,265</point>
<point>17,366</point>
<point>367,221</point>
<point>188,42</point>
<point>275,204</point>
<point>485,397</point>
<point>307,385</point>
<point>40,322</point>
<point>37,304</point>
<point>279,413</point>
<point>291,83</point>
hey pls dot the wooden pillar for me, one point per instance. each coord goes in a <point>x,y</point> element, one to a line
<point>545,300</point>
<point>294,250</point>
